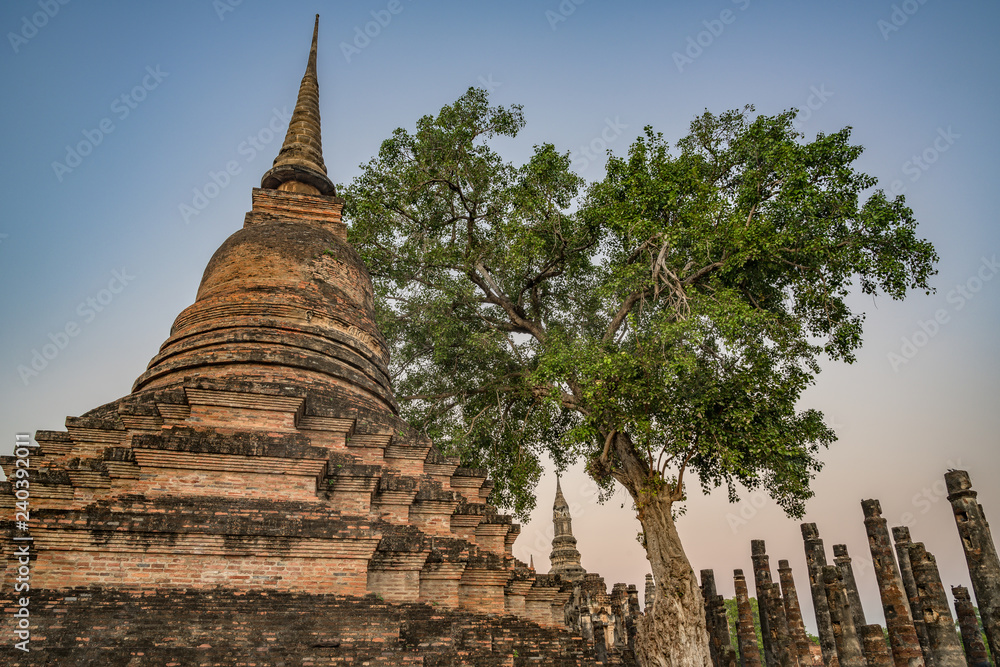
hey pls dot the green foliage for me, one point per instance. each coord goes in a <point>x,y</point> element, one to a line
<point>671,323</point>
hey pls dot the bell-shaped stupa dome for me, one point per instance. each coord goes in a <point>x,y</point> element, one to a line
<point>286,299</point>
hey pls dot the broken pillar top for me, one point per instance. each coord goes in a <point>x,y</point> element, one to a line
<point>783,565</point>
<point>708,582</point>
<point>958,482</point>
<point>871,508</point>
<point>961,593</point>
<point>840,551</point>
<point>919,554</point>
<point>901,534</point>
<point>757,548</point>
<point>738,574</point>
<point>809,531</point>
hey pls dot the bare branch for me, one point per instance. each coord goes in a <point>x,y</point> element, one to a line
<point>678,492</point>
<point>607,445</point>
<point>484,280</point>
<point>622,313</point>
<point>702,272</point>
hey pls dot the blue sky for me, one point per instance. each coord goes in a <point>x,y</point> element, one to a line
<point>163,103</point>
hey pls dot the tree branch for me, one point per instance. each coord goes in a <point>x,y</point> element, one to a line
<point>484,280</point>
<point>678,492</point>
<point>703,271</point>
<point>622,313</point>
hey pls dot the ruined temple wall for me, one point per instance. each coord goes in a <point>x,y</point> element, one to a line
<point>59,570</point>
<point>118,628</point>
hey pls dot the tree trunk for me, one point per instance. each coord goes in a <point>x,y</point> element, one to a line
<point>673,633</point>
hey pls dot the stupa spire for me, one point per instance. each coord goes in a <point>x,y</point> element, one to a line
<point>560,500</point>
<point>285,302</point>
<point>299,166</point>
<point>565,558</point>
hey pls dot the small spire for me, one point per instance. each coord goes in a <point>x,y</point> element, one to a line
<point>565,558</point>
<point>531,563</point>
<point>299,166</point>
<point>560,500</point>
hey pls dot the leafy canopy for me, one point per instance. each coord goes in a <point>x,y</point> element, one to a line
<point>670,323</point>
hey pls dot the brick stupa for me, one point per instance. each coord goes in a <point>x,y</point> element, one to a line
<point>256,499</point>
<point>565,558</point>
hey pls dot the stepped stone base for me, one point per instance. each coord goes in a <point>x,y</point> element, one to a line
<point>116,628</point>
<point>234,523</point>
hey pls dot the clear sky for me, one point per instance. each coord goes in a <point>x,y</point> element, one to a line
<point>118,115</point>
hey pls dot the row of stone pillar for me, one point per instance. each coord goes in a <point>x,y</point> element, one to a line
<point>919,624</point>
<point>980,554</point>
<point>783,632</point>
<point>719,640</point>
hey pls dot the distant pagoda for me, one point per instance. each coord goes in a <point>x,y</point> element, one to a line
<point>565,558</point>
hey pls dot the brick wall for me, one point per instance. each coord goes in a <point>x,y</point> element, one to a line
<point>115,628</point>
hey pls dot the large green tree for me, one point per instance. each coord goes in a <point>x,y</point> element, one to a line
<point>666,326</point>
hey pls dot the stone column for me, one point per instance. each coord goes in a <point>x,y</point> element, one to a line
<point>600,640</point>
<point>708,593</point>
<point>727,655</point>
<point>902,635</point>
<point>844,632</point>
<point>619,606</point>
<point>816,561</point>
<point>901,535</point>
<point>972,638</point>
<point>649,595</point>
<point>784,652</point>
<point>762,577</point>
<point>746,635</point>
<point>720,643</point>
<point>980,553</point>
<point>843,561</point>
<point>793,612</point>
<point>945,644</point>
<point>874,647</point>
<point>708,584</point>
<point>634,613</point>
